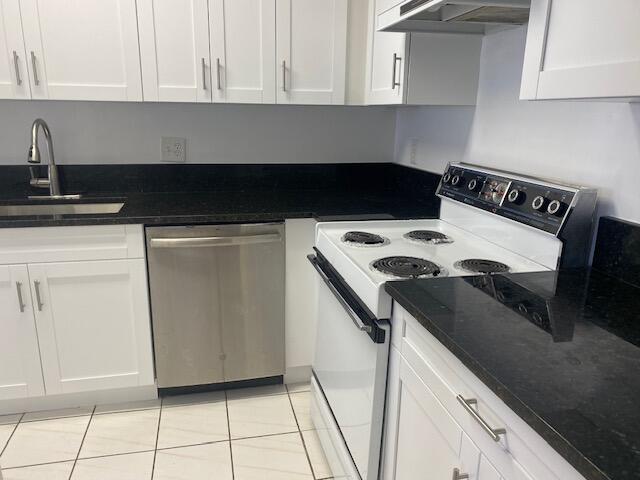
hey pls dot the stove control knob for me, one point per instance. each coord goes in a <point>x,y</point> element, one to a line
<point>516,196</point>
<point>446,178</point>
<point>557,208</point>
<point>457,181</point>
<point>474,185</point>
<point>540,203</point>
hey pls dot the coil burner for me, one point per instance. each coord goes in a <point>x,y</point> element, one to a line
<point>364,239</point>
<point>480,265</point>
<point>428,236</point>
<point>407,267</point>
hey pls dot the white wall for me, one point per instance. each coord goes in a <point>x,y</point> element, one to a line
<point>590,143</point>
<point>98,132</point>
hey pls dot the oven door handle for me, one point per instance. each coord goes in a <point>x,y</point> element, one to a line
<point>354,316</point>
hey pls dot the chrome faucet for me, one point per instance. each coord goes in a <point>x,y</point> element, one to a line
<point>52,182</point>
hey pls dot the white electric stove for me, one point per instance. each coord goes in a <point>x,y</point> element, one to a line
<point>490,222</point>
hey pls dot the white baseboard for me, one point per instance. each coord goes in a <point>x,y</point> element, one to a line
<point>298,374</point>
<point>83,399</point>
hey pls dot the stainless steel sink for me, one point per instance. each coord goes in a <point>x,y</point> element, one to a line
<point>60,209</point>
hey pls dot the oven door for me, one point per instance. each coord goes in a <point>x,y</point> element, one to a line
<point>350,370</point>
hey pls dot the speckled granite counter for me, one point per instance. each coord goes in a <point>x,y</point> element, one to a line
<point>571,370</point>
<point>199,194</point>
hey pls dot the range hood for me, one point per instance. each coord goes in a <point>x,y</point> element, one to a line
<point>470,16</point>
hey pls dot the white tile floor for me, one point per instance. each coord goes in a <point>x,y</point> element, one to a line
<point>262,433</point>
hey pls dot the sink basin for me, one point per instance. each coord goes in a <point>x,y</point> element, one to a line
<point>60,209</point>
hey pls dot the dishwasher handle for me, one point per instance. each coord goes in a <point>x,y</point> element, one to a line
<point>218,241</point>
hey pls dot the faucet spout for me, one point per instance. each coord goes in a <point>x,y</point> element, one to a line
<point>53,180</point>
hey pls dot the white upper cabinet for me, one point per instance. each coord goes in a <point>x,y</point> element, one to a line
<point>174,50</point>
<point>93,324</point>
<point>20,372</point>
<point>582,49</point>
<point>311,40</point>
<point>82,50</point>
<point>14,79</point>
<point>421,68</point>
<point>243,36</point>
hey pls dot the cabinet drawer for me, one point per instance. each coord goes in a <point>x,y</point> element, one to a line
<point>63,244</point>
<point>520,453</point>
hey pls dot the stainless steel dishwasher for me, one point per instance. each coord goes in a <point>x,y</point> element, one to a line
<point>217,302</point>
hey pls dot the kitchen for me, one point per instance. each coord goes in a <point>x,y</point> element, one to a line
<point>187,335</point>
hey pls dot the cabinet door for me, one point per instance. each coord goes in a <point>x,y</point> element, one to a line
<point>428,439</point>
<point>174,50</point>
<point>574,51</point>
<point>14,79</point>
<point>311,44</point>
<point>20,372</point>
<point>386,67</point>
<point>84,50</point>
<point>93,324</point>
<point>243,49</point>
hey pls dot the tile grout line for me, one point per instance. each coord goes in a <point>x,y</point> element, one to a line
<point>304,445</point>
<point>155,450</point>
<point>226,407</point>
<point>15,427</point>
<point>86,430</point>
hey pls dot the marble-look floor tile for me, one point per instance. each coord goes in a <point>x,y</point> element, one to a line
<point>45,441</point>
<point>192,399</point>
<point>256,391</point>
<point>5,434</point>
<point>199,462</point>
<point>301,402</point>
<point>134,466</point>
<point>255,416</point>
<point>10,419</point>
<point>299,387</point>
<point>193,424</point>
<point>62,413</point>
<point>277,457</point>
<point>50,471</point>
<point>127,406</point>
<point>319,464</point>
<point>124,432</point>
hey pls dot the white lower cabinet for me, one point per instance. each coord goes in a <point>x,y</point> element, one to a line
<point>429,434</point>
<point>73,325</point>
<point>93,324</point>
<point>20,372</point>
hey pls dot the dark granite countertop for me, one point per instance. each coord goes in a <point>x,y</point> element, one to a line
<point>192,194</point>
<point>570,371</point>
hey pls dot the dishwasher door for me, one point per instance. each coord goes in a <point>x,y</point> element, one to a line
<point>217,302</point>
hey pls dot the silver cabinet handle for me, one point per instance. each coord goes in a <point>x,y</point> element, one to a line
<point>394,83</point>
<point>36,285</point>
<point>218,73</point>
<point>494,433</point>
<point>284,75</point>
<point>20,301</point>
<point>16,65</point>
<point>459,476</point>
<point>34,64</point>
<point>204,75</point>
<point>214,241</point>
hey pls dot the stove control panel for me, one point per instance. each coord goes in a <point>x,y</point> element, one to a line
<point>535,203</point>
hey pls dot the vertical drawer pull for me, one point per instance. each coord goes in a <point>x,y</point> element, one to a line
<point>20,301</point>
<point>395,83</point>
<point>204,74</point>
<point>284,75</point>
<point>467,403</point>
<point>36,285</point>
<point>218,73</point>
<point>459,476</point>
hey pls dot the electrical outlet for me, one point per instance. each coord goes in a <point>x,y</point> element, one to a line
<point>174,149</point>
<point>413,151</point>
